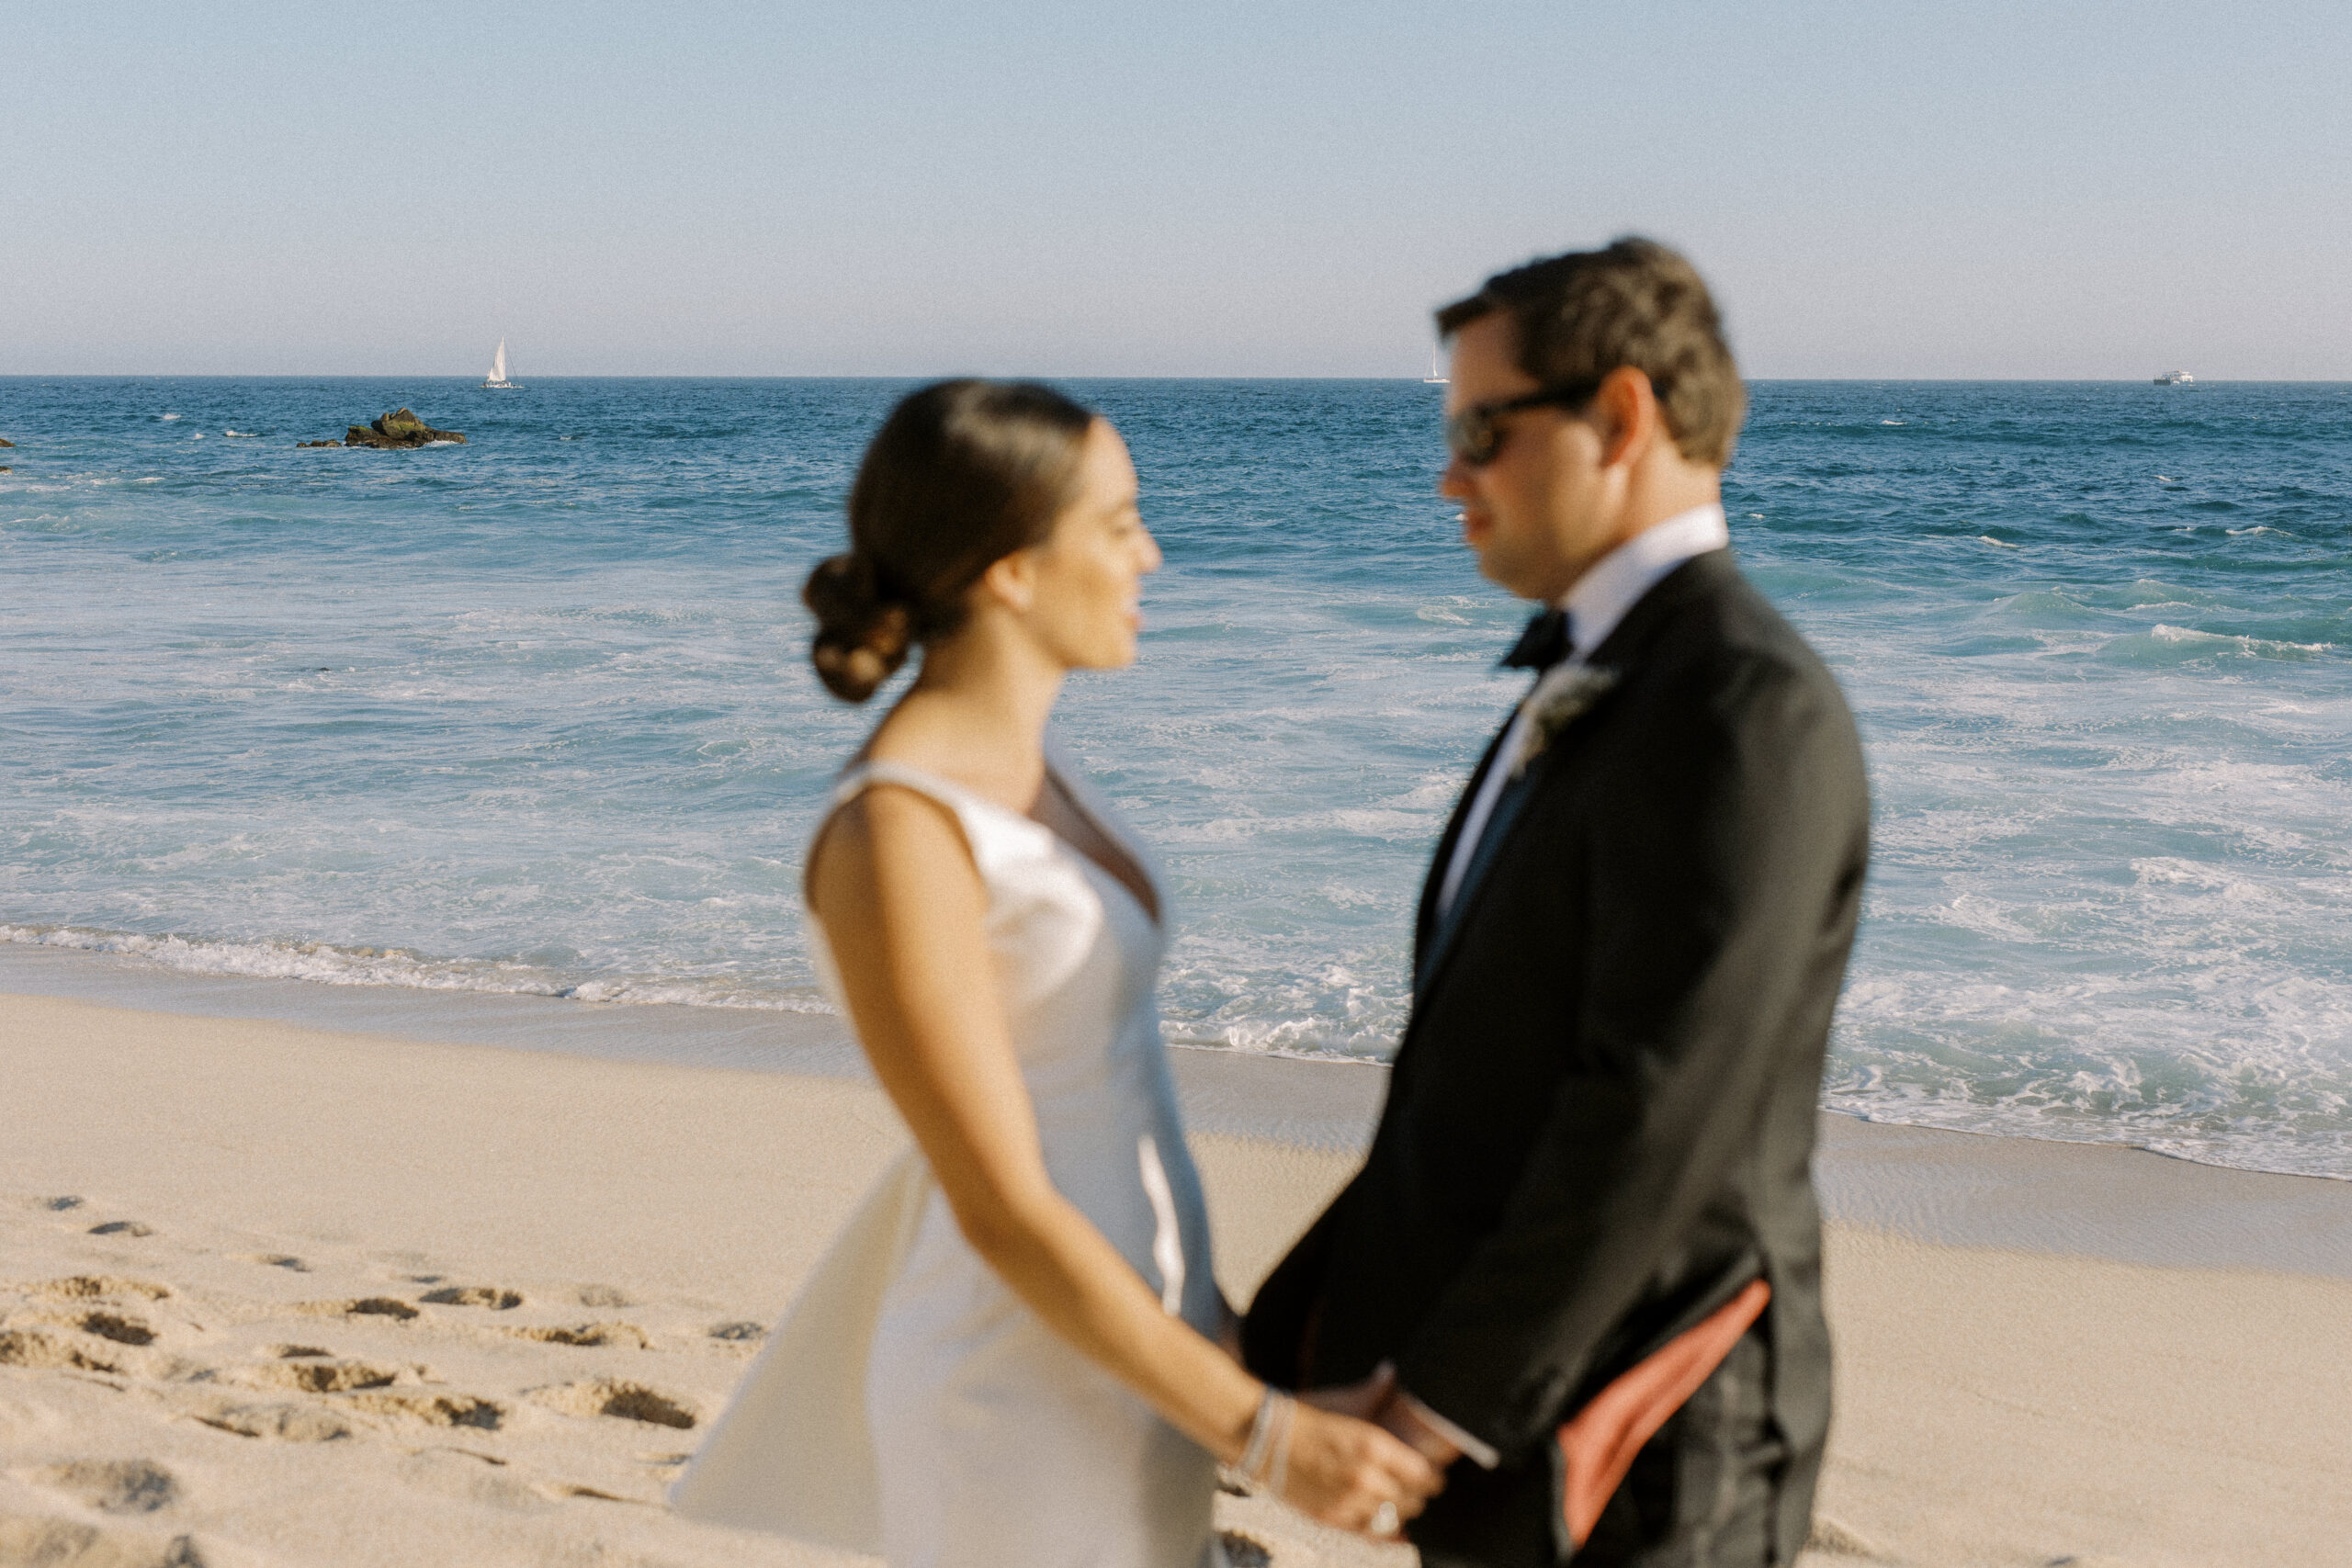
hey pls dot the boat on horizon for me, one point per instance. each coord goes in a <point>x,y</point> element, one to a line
<point>497,379</point>
<point>2176,378</point>
<point>1433,378</point>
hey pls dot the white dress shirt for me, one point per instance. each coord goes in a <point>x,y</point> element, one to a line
<point>1599,601</point>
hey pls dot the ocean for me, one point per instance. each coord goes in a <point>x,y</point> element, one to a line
<point>531,714</point>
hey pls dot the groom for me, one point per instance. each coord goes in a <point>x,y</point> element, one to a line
<point>1582,1264</point>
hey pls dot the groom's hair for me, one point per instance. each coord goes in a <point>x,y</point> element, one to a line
<point>1581,315</point>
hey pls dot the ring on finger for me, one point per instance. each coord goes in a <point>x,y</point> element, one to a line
<point>1384,1520</point>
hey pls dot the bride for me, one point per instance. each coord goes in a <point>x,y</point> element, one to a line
<point>1016,1353</point>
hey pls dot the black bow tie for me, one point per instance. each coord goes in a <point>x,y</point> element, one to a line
<point>1544,643</point>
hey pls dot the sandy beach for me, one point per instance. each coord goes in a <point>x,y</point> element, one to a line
<point>273,1293</point>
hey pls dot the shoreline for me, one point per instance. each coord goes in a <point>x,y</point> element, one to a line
<point>2117,1199</point>
<point>308,1295</point>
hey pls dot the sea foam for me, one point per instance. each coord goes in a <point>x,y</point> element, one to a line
<point>569,745</point>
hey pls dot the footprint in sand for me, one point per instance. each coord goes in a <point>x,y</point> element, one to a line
<point>278,1260</point>
<point>280,1423</point>
<point>115,1326</point>
<point>122,1227</point>
<point>603,1296</point>
<point>31,1349</point>
<point>315,1376</point>
<point>433,1409</point>
<point>612,1396</point>
<point>739,1333</point>
<point>68,1541</point>
<point>489,1296</point>
<point>113,1486</point>
<point>59,1205</point>
<point>624,1333</point>
<point>89,1287</point>
<point>367,1307</point>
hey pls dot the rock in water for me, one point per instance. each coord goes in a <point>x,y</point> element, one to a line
<point>318,444</point>
<point>398,428</point>
<point>5,442</point>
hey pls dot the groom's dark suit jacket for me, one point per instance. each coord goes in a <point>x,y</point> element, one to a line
<point>1600,1121</point>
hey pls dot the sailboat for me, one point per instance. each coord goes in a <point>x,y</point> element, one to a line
<point>1433,378</point>
<point>498,370</point>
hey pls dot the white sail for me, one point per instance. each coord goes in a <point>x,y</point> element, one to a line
<point>497,377</point>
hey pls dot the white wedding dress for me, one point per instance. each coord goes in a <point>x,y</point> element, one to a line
<point>911,1403</point>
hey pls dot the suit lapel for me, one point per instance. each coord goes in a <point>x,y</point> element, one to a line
<point>1509,805</point>
<point>1622,648</point>
<point>1425,920</point>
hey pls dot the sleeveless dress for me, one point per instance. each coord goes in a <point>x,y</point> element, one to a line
<point>910,1405</point>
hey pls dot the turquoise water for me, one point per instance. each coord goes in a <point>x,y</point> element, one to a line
<point>529,715</point>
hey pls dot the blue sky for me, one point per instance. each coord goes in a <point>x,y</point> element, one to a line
<point>1207,188</point>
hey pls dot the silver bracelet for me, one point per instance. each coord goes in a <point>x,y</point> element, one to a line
<point>1253,1462</point>
<point>1278,1462</point>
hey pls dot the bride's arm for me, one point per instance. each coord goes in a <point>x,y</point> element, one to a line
<point>904,913</point>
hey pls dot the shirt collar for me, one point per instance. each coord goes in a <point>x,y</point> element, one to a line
<point>1617,582</point>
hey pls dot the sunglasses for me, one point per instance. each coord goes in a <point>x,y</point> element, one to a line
<point>1473,436</point>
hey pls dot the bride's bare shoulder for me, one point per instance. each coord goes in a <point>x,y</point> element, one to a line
<point>886,830</point>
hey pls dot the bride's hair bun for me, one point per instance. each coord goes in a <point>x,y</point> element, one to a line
<point>862,636</point>
<point>961,475</point>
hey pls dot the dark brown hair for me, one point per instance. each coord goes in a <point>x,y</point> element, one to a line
<point>1581,315</point>
<point>961,475</point>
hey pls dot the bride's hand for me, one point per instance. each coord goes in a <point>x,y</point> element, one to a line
<point>1342,1470</point>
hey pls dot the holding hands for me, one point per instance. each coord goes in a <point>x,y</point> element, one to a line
<point>1325,1455</point>
<point>1379,1400</point>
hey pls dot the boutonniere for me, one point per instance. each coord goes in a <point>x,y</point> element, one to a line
<point>1559,699</point>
